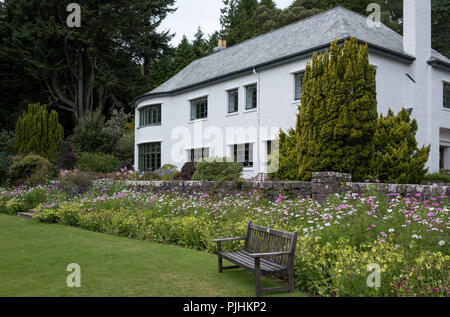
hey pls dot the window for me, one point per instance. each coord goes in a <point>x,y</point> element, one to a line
<point>197,155</point>
<point>233,101</point>
<point>243,153</point>
<point>269,148</point>
<point>199,108</point>
<point>149,156</point>
<point>251,97</point>
<point>150,115</point>
<point>447,95</point>
<point>298,80</point>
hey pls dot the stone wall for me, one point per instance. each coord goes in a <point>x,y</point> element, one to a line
<point>321,186</point>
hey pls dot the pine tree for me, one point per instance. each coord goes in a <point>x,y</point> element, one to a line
<point>397,158</point>
<point>38,132</point>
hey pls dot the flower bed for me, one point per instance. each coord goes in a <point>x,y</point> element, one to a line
<point>338,239</point>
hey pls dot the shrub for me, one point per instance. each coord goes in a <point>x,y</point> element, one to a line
<point>38,132</point>
<point>218,170</point>
<point>95,135</point>
<point>88,134</point>
<point>125,150</point>
<point>187,172</point>
<point>98,162</point>
<point>397,158</point>
<point>437,177</point>
<point>74,182</point>
<point>168,172</point>
<point>66,158</point>
<point>34,168</point>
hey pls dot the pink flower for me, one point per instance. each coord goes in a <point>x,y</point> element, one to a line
<point>382,241</point>
<point>430,214</point>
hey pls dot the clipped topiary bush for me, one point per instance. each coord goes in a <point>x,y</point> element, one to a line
<point>98,162</point>
<point>218,170</point>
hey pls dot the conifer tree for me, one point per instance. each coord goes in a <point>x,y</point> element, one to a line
<point>338,113</point>
<point>38,132</point>
<point>397,158</point>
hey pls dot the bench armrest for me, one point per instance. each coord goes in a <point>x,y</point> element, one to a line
<point>229,239</point>
<point>263,255</point>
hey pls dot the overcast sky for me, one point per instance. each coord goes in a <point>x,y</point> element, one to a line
<point>194,13</point>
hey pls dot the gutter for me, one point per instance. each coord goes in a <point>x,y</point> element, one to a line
<point>373,48</point>
<point>439,64</point>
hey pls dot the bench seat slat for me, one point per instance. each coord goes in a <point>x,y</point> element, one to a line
<point>244,258</point>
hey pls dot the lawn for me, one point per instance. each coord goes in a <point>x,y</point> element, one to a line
<point>34,257</point>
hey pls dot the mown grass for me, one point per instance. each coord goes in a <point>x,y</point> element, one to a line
<point>34,257</point>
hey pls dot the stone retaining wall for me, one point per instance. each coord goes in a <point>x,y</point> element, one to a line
<point>321,186</point>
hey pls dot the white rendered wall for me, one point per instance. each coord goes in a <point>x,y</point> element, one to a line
<point>278,110</point>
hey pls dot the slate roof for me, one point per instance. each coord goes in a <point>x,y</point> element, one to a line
<point>302,36</point>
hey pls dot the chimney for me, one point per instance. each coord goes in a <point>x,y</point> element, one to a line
<point>221,45</point>
<point>417,28</point>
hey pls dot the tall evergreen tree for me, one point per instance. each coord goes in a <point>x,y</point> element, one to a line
<point>338,113</point>
<point>38,132</point>
<point>88,67</point>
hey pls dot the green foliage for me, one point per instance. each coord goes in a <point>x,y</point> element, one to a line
<point>288,156</point>
<point>89,135</point>
<point>397,158</point>
<point>34,168</point>
<point>94,135</point>
<point>98,162</point>
<point>38,132</point>
<point>338,114</point>
<point>437,177</point>
<point>87,68</point>
<point>216,169</point>
<point>7,141</point>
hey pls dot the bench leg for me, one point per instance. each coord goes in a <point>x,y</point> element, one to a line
<point>220,263</point>
<point>257,278</point>
<point>291,280</point>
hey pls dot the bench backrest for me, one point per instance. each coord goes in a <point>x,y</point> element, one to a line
<point>263,240</point>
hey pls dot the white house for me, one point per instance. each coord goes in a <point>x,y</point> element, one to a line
<point>233,102</point>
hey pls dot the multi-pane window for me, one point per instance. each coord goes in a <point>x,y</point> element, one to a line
<point>150,115</point>
<point>199,108</point>
<point>447,95</point>
<point>233,101</point>
<point>243,153</point>
<point>197,155</point>
<point>298,80</point>
<point>250,97</point>
<point>149,156</point>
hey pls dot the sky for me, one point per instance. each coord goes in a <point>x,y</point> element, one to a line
<point>194,13</point>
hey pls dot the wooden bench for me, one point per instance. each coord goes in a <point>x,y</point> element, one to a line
<point>266,252</point>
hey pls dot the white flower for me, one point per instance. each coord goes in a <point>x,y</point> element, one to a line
<point>442,242</point>
<point>391,230</point>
